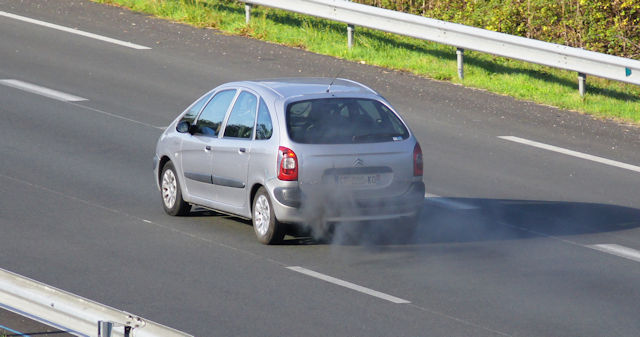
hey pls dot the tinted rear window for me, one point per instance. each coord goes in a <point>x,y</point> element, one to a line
<point>343,121</point>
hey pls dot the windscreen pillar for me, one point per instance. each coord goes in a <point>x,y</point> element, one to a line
<point>350,29</point>
<point>460,57</point>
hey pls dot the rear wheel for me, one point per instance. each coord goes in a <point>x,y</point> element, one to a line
<point>172,201</point>
<point>268,230</point>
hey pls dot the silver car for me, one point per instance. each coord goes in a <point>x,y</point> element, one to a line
<point>291,151</point>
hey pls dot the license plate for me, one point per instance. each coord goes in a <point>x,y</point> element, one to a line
<point>358,179</point>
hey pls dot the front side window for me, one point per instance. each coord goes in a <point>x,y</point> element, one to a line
<point>211,118</point>
<point>343,121</point>
<point>191,114</point>
<point>264,127</point>
<point>242,117</point>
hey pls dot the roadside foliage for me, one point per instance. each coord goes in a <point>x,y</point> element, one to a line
<point>606,26</point>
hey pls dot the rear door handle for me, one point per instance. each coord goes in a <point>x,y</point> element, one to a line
<point>242,150</point>
<point>207,148</point>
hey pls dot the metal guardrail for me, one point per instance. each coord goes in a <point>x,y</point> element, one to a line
<point>71,313</point>
<point>464,37</point>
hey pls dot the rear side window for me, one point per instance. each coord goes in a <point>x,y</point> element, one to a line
<point>343,121</point>
<point>264,127</point>
<point>213,114</point>
<point>242,117</point>
<point>191,114</point>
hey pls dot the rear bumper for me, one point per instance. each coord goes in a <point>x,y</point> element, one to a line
<point>293,206</point>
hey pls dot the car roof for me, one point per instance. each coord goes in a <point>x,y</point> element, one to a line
<point>300,86</point>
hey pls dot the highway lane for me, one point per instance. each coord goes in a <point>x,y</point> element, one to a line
<point>77,190</point>
<point>66,234</point>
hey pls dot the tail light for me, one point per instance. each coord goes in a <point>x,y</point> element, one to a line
<point>417,161</point>
<point>287,164</point>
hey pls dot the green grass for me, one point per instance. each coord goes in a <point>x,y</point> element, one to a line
<point>525,81</point>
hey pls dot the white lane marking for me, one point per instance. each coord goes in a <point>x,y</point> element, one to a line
<point>118,116</point>
<point>349,285</point>
<point>572,153</point>
<point>613,249</point>
<point>448,203</point>
<point>73,31</point>
<point>61,96</point>
<point>42,91</point>
<point>618,250</point>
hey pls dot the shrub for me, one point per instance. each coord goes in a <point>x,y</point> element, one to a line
<point>606,26</point>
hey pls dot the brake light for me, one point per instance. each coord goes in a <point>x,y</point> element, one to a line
<point>287,164</point>
<point>417,161</point>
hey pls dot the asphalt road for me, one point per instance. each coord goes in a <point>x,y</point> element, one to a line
<point>508,249</point>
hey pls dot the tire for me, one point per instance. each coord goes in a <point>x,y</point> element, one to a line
<point>171,193</point>
<point>267,228</point>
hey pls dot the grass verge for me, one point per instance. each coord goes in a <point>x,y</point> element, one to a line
<point>525,81</point>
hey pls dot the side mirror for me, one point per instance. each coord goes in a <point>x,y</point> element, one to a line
<point>193,129</point>
<point>183,127</point>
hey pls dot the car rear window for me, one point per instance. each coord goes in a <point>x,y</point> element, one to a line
<point>343,121</point>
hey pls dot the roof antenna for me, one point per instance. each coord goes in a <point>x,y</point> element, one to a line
<point>334,79</point>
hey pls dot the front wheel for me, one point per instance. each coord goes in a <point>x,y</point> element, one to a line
<point>268,230</point>
<point>172,201</point>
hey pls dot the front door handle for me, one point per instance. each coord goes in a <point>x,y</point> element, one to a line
<point>242,150</point>
<point>207,148</point>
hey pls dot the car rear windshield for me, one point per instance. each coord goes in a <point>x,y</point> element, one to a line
<point>343,121</point>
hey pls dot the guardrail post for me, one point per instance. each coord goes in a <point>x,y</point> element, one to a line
<point>247,13</point>
<point>582,83</point>
<point>460,57</point>
<point>350,29</point>
<point>105,328</point>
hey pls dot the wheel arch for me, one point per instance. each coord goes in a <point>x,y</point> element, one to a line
<point>252,196</point>
<point>163,161</point>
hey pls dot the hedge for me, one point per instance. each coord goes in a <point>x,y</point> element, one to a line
<point>606,26</point>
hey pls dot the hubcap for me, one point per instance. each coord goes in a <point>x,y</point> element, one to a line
<point>261,215</point>
<point>169,188</point>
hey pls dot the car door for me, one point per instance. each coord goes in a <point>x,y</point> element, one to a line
<point>231,154</point>
<point>198,144</point>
